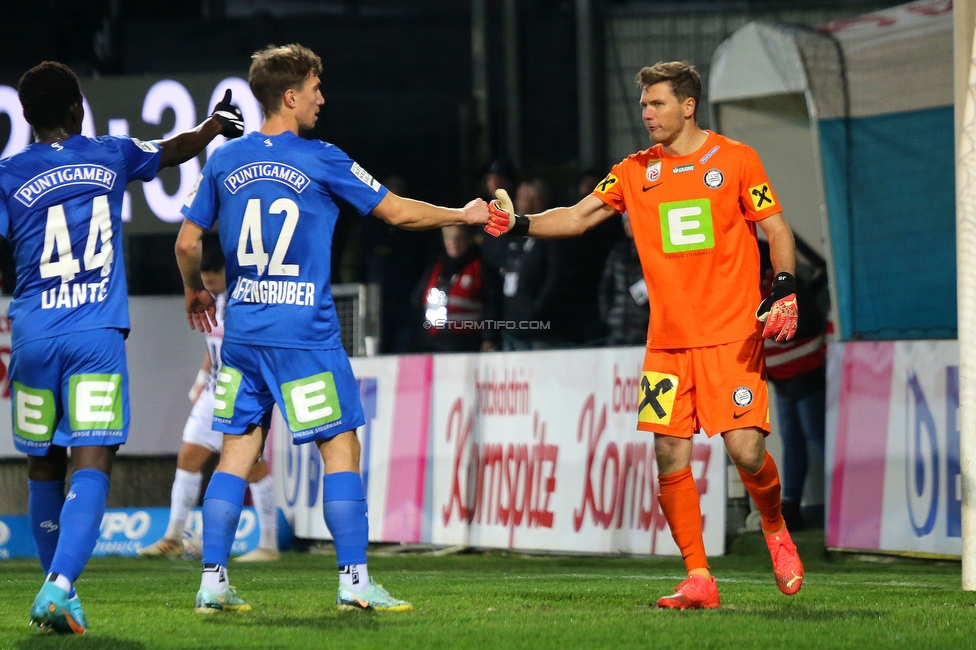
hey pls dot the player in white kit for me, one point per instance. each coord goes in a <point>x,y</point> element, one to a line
<point>201,442</point>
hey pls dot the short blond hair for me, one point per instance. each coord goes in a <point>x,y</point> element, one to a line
<point>684,79</point>
<point>277,69</point>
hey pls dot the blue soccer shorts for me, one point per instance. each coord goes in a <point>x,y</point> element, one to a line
<point>70,390</point>
<point>315,390</point>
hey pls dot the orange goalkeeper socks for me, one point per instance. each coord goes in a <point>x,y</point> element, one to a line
<point>764,488</point>
<point>680,503</point>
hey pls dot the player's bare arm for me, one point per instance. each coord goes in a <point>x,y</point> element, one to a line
<point>201,309</point>
<point>556,223</point>
<point>410,214</point>
<point>779,311</point>
<point>782,246</point>
<point>226,120</point>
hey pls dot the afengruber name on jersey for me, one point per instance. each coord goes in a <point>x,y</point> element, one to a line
<point>284,292</point>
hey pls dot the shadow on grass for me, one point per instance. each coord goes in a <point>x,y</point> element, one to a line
<point>331,621</point>
<point>803,613</point>
<point>85,642</point>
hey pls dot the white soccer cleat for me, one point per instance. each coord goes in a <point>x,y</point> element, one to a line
<point>259,555</point>
<point>172,548</point>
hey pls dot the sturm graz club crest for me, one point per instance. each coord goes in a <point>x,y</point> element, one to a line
<point>713,179</point>
<point>742,396</point>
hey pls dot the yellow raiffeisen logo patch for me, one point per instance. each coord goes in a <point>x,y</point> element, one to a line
<point>606,184</point>
<point>762,196</point>
<point>657,391</point>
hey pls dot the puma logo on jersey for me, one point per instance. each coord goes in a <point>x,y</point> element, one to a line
<point>267,142</point>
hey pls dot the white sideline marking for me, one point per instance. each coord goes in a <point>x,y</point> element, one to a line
<point>679,577</point>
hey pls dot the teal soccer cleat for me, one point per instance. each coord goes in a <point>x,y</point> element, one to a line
<point>54,612</point>
<point>375,597</point>
<point>74,612</point>
<point>211,602</point>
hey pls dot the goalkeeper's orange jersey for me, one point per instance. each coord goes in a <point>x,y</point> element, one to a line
<point>694,221</point>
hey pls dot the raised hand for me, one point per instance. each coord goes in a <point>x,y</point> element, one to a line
<point>476,212</point>
<point>502,219</point>
<point>229,117</point>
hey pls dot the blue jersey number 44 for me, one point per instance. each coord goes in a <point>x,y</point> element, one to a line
<point>57,239</point>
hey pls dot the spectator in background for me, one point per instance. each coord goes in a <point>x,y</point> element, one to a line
<point>450,292</point>
<point>798,373</point>
<point>580,316</point>
<point>532,277</point>
<point>623,293</point>
<point>499,174</point>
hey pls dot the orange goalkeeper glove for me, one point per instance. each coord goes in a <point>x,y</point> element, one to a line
<point>779,311</point>
<point>502,219</point>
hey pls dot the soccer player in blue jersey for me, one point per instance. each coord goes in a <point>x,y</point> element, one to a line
<point>274,195</point>
<point>61,209</point>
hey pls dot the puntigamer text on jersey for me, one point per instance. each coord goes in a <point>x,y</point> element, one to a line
<point>43,183</point>
<point>266,171</point>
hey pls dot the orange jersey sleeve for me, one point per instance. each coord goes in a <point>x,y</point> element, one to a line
<point>609,190</point>
<point>757,196</point>
<point>693,219</point>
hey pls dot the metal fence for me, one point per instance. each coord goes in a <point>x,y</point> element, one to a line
<point>358,307</point>
<point>640,35</point>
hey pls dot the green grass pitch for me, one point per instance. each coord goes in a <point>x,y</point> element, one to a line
<point>508,600</point>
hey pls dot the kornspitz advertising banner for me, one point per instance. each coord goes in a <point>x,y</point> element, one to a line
<point>533,450</point>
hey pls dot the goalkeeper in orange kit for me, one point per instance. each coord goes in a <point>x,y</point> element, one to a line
<point>695,199</point>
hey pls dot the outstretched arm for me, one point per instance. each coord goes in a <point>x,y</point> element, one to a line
<point>201,310</point>
<point>551,224</point>
<point>417,215</point>
<point>226,120</point>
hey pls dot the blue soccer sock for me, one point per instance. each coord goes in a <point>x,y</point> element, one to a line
<point>222,505</point>
<point>344,507</point>
<point>44,502</point>
<point>80,520</point>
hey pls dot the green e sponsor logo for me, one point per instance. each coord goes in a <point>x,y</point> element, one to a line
<point>686,226</point>
<point>225,392</point>
<point>33,413</point>
<point>311,402</point>
<point>95,401</point>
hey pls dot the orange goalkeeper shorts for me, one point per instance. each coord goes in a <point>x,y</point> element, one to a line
<point>717,388</point>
